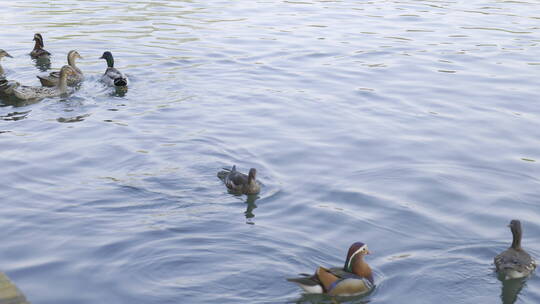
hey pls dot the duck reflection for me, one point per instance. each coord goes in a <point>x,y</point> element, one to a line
<point>510,290</point>
<point>325,299</point>
<point>250,202</point>
<point>43,63</point>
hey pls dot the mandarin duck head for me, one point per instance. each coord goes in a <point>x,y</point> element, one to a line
<point>355,261</point>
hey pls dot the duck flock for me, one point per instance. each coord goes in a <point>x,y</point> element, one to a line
<point>56,84</point>
<point>354,278</point>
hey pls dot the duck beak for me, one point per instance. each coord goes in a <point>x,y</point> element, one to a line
<point>368,252</point>
<point>8,55</point>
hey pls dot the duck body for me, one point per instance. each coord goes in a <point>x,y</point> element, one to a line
<point>72,80</point>
<point>112,76</point>
<point>355,278</point>
<point>39,51</point>
<point>240,183</point>
<point>514,262</point>
<point>35,93</point>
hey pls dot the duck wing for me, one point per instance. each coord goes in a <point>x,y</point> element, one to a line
<point>40,53</point>
<point>32,92</point>
<point>114,77</point>
<point>54,77</point>
<point>49,81</point>
<point>514,260</point>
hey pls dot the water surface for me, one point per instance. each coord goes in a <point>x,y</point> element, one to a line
<point>409,125</point>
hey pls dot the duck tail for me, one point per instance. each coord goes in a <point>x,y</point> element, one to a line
<point>309,283</point>
<point>120,82</point>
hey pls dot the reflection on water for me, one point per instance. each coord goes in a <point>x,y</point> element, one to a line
<point>14,116</point>
<point>250,206</point>
<point>323,299</point>
<point>42,64</point>
<point>510,289</point>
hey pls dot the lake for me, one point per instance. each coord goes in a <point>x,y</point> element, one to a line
<point>411,126</point>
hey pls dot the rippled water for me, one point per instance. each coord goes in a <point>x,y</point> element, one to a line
<point>412,126</point>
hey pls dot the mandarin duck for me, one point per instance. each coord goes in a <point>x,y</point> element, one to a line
<point>72,80</point>
<point>514,262</point>
<point>354,278</point>
<point>239,183</point>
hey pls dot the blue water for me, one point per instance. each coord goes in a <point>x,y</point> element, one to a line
<point>412,126</point>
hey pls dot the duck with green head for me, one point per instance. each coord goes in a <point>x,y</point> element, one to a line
<point>112,76</point>
<point>74,79</point>
<point>39,51</point>
<point>36,93</point>
<point>355,278</point>
<point>240,183</point>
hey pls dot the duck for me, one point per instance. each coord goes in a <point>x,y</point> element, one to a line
<point>72,80</point>
<point>39,51</point>
<point>36,93</point>
<point>2,55</point>
<point>514,262</point>
<point>112,76</point>
<point>355,278</point>
<point>240,183</point>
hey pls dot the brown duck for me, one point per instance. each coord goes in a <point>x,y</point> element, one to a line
<point>240,183</point>
<point>514,262</point>
<point>74,79</point>
<point>39,51</point>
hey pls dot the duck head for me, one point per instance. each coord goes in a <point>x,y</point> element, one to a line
<point>515,227</point>
<point>252,175</point>
<point>355,261</point>
<point>109,58</point>
<point>4,54</point>
<point>39,40</point>
<point>72,55</point>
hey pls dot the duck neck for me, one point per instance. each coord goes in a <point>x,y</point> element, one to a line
<point>37,44</point>
<point>71,60</point>
<point>71,63</point>
<point>1,68</point>
<point>110,61</point>
<point>516,240</point>
<point>361,268</point>
<point>62,82</point>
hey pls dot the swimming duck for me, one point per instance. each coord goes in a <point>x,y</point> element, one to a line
<point>354,278</point>
<point>39,51</point>
<point>514,262</point>
<point>36,93</point>
<point>72,80</point>
<point>240,183</point>
<point>2,55</point>
<point>112,76</point>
